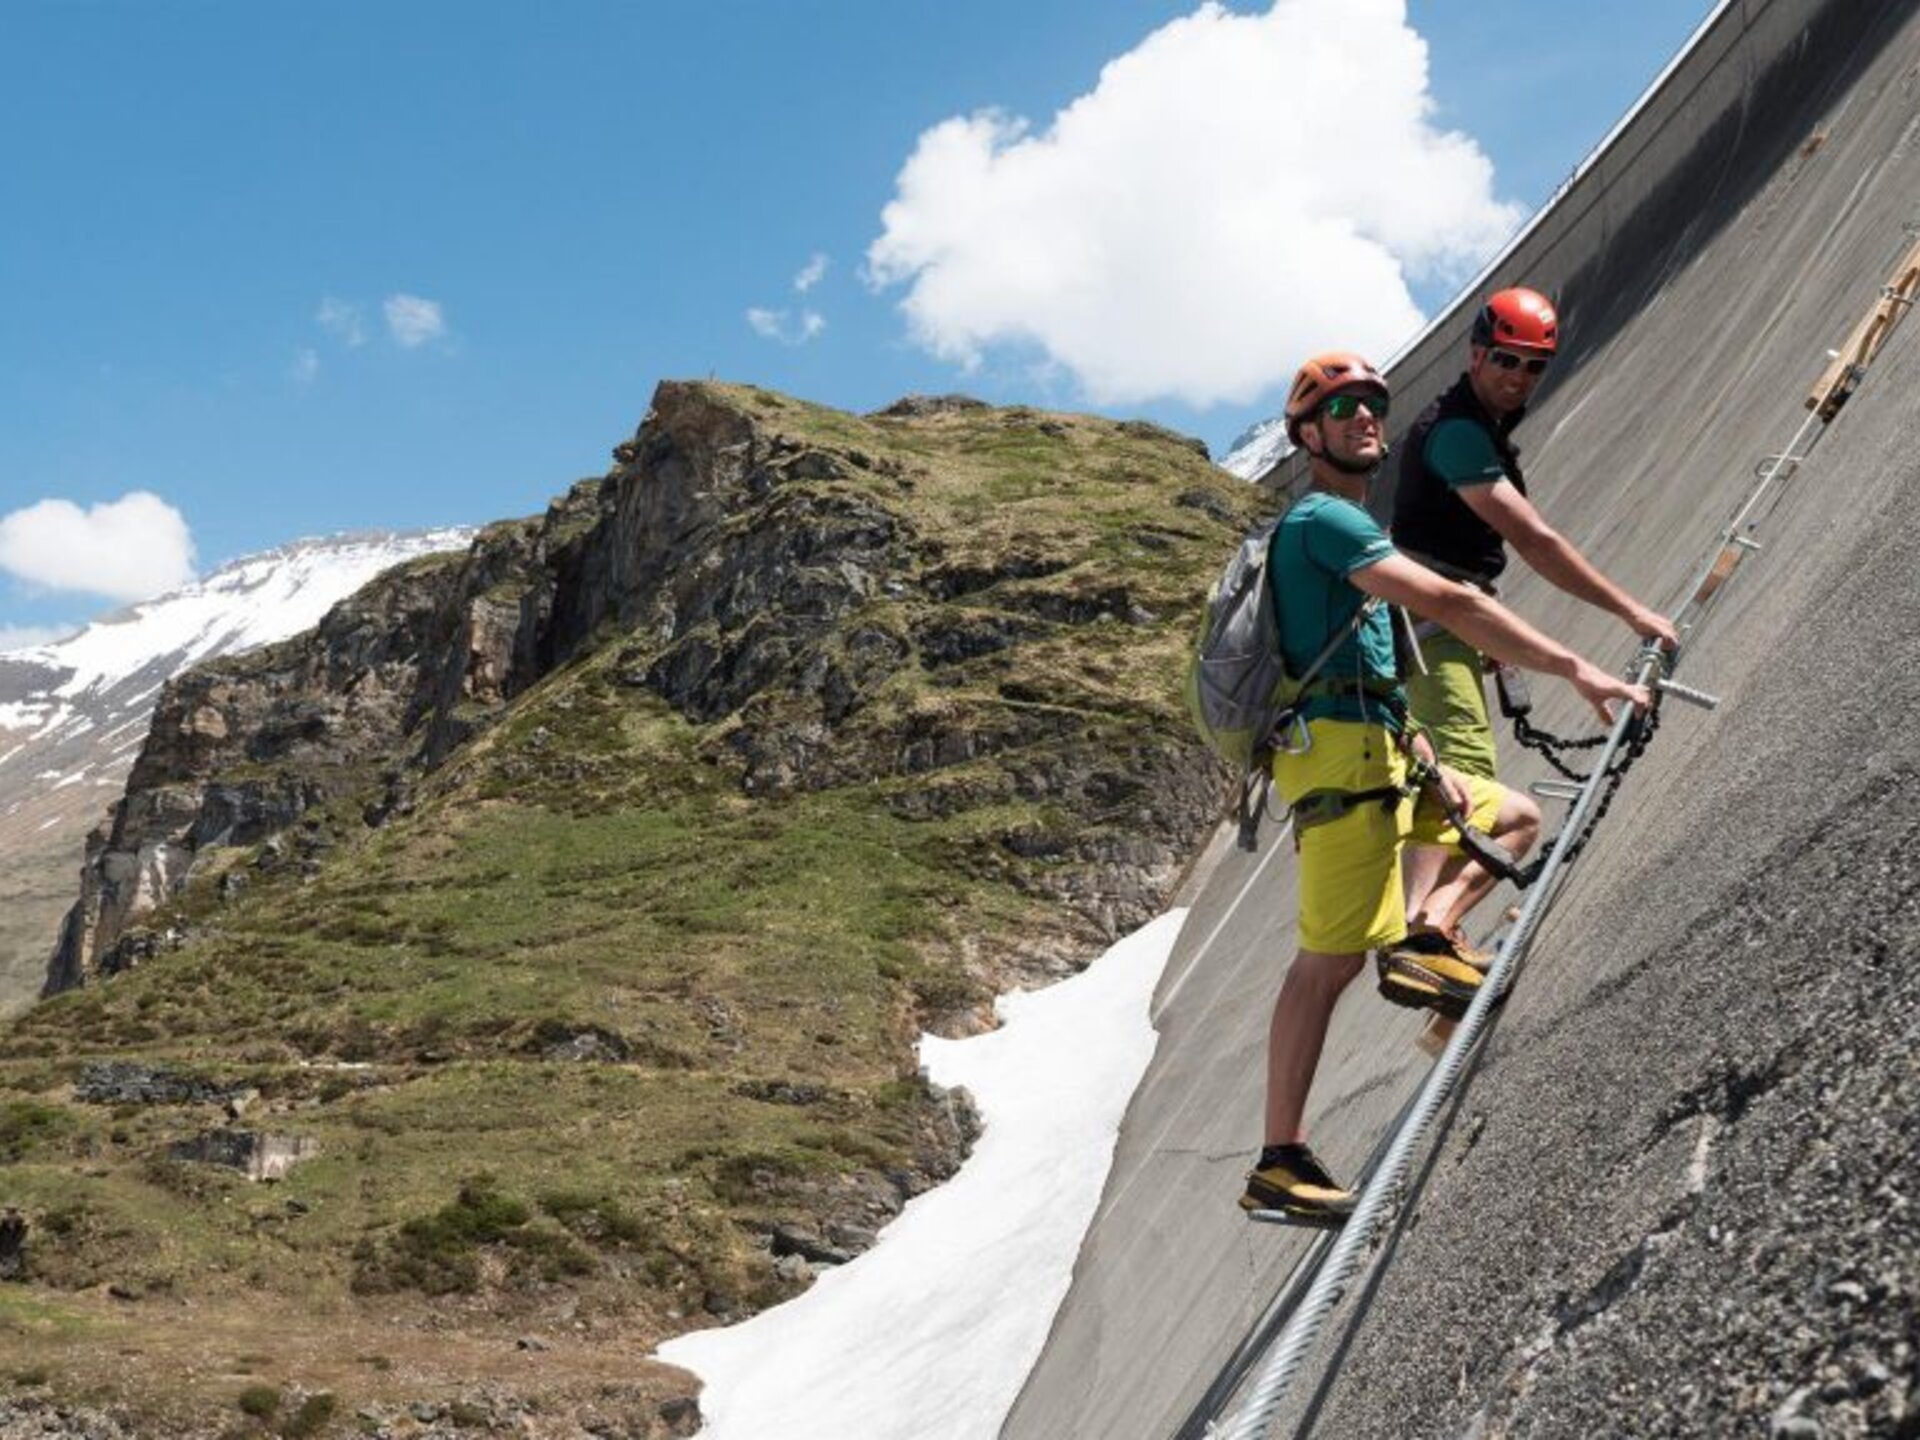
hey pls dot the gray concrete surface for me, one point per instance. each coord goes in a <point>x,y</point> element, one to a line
<point>1679,1200</point>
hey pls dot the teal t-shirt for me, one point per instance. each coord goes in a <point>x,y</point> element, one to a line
<point>1462,454</point>
<point>1319,543</point>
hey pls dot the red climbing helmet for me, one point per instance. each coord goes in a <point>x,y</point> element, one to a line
<point>1323,377</point>
<point>1518,319</point>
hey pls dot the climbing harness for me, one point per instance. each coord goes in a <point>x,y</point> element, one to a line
<point>1290,735</point>
<point>1323,807</point>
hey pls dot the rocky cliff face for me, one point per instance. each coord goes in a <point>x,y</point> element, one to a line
<point>241,748</point>
<point>73,714</point>
<point>739,564</point>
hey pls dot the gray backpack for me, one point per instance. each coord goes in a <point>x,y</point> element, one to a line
<point>1238,687</point>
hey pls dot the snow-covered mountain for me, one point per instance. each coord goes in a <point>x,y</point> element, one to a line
<point>1256,449</point>
<point>73,714</point>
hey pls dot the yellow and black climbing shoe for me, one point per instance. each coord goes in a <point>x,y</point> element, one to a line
<point>1445,939</point>
<point>1463,949</point>
<point>1291,1186</point>
<point>1426,972</point>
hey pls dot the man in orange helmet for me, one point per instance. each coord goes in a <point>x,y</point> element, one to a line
<point>1343,763</point>
<point>1460,501</point>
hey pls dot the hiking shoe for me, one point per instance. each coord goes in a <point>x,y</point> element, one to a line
<point>1290,1183</point>
<point>1456,940</point>
<point>1481,960</point>
<point>1423,972</point>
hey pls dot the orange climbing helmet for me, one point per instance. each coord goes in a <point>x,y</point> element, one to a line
<point>1518,319</point>
<point>1323,377</point>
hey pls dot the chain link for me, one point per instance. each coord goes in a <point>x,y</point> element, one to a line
<point>1550,745</point>
<point>1636,746</point>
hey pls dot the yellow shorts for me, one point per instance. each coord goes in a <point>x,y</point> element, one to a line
<point>1450,702</point>
<point>1350,891</point>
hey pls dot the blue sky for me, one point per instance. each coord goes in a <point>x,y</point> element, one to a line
<point>285,270</point>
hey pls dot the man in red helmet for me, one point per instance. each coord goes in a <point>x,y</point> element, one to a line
<point>1460,501</point>
<point>1343,765</point>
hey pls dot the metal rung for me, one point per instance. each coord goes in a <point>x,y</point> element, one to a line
<point>1745,544</point>
<point>1688,694</point>
<point>1555,789</point>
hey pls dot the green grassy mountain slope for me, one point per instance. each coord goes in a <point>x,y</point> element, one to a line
<point>567,911</point>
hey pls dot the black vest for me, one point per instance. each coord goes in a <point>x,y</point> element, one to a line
<point>1431,522</point>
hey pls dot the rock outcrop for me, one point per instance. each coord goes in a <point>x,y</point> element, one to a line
<point>73,713</point>
<point>752,575</point>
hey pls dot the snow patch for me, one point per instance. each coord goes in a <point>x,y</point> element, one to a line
<point>929,1335</point>
<point>251,602</point>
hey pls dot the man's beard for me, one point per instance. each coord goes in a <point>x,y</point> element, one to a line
<point>1355,467</point>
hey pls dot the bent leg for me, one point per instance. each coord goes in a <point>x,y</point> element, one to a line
<point>1424,868</point>
<point>1513,820</point>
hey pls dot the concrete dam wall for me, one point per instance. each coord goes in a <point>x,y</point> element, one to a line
<point>1680,1194</point>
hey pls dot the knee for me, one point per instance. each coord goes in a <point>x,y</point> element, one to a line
<point>1323,973</point>
<point>1519,822</point>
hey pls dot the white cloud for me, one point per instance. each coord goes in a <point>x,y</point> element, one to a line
<point>1235,193</point>
<point>785,326</point>
<point>306,367</point>
<point>344,320</point>
<point>791,327</point>
<point>129,549</point>
<point>811,273</point>
<point>412,321</point>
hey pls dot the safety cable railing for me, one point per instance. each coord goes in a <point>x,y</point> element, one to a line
<point>1227,1381</point>
<point>1381,1193</point>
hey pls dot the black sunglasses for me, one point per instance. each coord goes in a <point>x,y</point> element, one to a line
<point>1345,407</point>
<point>1507,360</point>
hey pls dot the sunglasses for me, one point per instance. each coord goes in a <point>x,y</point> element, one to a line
<point>1345,407</point>
<point>1507,360</point>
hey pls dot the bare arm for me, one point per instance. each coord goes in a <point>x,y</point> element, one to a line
<point>1486,624</point>
<point>1557,560</point>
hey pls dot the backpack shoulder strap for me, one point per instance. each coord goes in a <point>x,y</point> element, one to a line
<point>1339,637</point>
